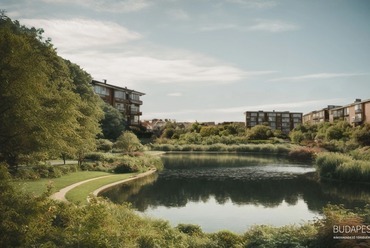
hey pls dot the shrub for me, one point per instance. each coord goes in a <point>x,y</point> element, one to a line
<point>227,239</point>
<point>342,167</point>
<point>190,229</point>
<point>104,145</point>
<point>302,153</point>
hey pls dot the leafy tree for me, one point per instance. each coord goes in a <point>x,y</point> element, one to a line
<point>128,142</point>
<point>168,133</point>
<point>361,135</point>
<point>113,123</point>
<point>37,105</point>
<point>338,131</point>
<point>259,132</point>
<point>206,131</point>
<point>46,107</point>
<point>296,136</point>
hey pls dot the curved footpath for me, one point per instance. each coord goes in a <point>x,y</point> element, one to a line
<point>60,195</point>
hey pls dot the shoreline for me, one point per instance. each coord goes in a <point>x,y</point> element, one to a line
<point>141,175</point>
<point>61,194</point>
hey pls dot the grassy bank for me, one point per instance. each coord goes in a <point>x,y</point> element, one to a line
<point>80,193</point>
<point>37,187</point>
<point>336,166</point>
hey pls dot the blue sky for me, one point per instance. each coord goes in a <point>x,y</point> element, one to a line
<point>212,60</point>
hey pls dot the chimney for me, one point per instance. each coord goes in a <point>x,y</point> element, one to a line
<point>105,81</point>
<point>357,100</point>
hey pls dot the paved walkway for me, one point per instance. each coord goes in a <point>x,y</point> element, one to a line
<point>60,195</point>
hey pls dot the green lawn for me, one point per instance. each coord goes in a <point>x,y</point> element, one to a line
<point>79,194</point>
<point>38,187</point>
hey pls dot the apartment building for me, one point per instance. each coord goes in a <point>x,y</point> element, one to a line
<point>318,116</point>
<point>356,113</point>
<point>125,100</point>
<point>284,121</point>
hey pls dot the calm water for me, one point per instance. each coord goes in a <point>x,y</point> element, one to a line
<point>234,192</point>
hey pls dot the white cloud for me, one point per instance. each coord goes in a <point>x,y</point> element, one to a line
<point>274,26</point>
<point>83,34</point>
<point>175,94</point>
<point>316,76</point>
<point>156,69</point>
<point>107,5</point>
<point>257,4</point>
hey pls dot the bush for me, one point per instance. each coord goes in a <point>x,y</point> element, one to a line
<point>302,153</point>
<point>227,239</point>
<point>125,168</point>
<point>190,229</point>
<point>342,167</point>
<point>104,145</point>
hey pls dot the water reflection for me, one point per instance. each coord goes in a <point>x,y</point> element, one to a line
<point>203,181</point>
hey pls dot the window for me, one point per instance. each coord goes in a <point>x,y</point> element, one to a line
<point>253,114</point>
<point>120,106</point>
<point>120,94</point>
<point>296,115</point>
<point>134,108</point>
<point>346,111</point>
<point>272,118</point>
<point>285,115</point>
<point>271,114</point>
<point>135,97</point>
<point>101,90</point>
<point>135,120</point>
<point>358,108</point>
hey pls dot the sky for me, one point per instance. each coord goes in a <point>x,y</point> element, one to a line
<point>213,60</point>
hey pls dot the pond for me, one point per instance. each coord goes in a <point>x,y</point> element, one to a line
<point>233,192</point>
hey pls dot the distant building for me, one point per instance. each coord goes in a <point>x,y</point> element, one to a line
<point>356,113</point>
<point>284,121</point>
<point>318,116</point>
<point>125,100</point>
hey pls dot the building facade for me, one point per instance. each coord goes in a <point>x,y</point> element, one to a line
<point>124,100</point>
<point>284,121</point>
<point>318,116</point>
<point>356,113</point>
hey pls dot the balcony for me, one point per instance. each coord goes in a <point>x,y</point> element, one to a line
<point>356,119</point>
<point>358,110</point>
<point>136,101</point>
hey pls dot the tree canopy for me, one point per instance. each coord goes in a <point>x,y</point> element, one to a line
<point>46,104</point>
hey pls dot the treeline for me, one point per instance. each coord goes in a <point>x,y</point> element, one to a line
<point>335,137</point>
<point>28,221</point>
<point>224,133</point>
<point>47,106</point>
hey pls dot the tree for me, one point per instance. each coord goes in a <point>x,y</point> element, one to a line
<point>45,106</point>
<point>113,123</point>
<point>361,135</point>
<point>37,104</point>
<point>259,132</point>
<point>128,142</point>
